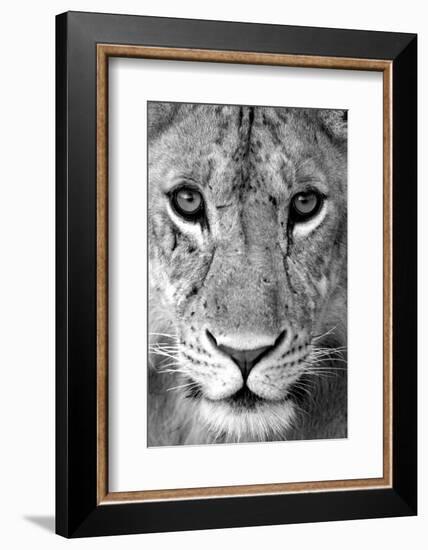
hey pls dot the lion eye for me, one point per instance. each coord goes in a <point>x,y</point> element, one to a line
<point>305,205</point>
<point>187,202</point>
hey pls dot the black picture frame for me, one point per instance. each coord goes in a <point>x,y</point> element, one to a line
<point>77,512</point>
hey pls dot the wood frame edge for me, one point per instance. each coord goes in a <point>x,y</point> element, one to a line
<point>102,273</point>
<point>103,52</point>
<point>242,57</point>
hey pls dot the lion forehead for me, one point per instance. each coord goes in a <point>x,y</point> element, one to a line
<point>209,144</point>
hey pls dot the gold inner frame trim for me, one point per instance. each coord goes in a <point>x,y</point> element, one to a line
<point>104,51</point>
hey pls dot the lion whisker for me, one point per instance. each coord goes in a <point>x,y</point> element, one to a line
<point>166,334</point>
<point>163,354</point>
<point>182,386</point>
<point>324,334</point>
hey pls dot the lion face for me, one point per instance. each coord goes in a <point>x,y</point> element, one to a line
<point>247,240</point>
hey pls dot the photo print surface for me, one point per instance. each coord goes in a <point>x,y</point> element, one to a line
<point>247,238</point>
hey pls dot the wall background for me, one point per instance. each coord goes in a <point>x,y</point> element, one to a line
<point>27,271</point>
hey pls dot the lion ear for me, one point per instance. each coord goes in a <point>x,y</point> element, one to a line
<point>335,122</point>
<point>160,116</point>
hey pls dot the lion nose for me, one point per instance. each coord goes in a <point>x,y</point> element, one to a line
<point>245,359</point>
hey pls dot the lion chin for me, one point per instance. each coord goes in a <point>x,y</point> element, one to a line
<point>246,418</point>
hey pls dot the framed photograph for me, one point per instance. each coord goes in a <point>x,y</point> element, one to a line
<point>236,274</point>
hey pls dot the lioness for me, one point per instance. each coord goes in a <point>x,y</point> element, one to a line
<point>247,273</point>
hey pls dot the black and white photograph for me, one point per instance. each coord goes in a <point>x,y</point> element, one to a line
<point>247,273</point>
